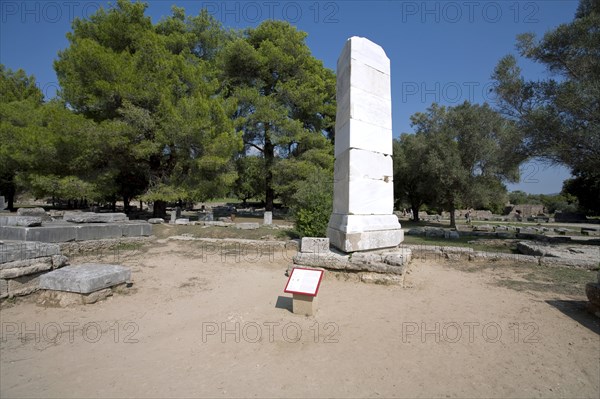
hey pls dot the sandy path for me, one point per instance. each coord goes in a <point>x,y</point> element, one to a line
<point>167,339</point>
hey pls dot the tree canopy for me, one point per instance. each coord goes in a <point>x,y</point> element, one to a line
<point>155,87</point>
<point>285,104</point>
<point>459,156</point>
<point>560,116</point>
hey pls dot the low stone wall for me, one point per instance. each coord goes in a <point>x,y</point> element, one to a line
<point>22,264</point>
<point>432,252</point>
<point>56,232</point>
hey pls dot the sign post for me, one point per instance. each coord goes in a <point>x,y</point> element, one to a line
<point>304,285</point>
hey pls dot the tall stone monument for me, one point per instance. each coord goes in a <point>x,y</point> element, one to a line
<point>363,200</point>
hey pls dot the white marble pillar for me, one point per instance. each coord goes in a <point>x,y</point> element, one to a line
<point>363,200</point>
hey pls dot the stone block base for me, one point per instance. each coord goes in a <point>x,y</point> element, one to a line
<point>64,299</point>
<point>304,305</point>
<point>366,240</point>
<point>85,278</point>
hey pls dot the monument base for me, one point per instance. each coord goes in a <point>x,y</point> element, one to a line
<point>304,304</point>
<point>351,233</point>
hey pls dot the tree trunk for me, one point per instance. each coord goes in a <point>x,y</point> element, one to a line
<point>160,209</point>
<point>415,211</point>
<point>452,216</point>
<point>269,152</point>
<point>141,206</point>
<point>10,201</point>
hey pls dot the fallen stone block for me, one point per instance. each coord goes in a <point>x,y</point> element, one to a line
<point>314,245</point>
<point>156,220</point>
<point>182,221</point>
<point>590,231</point>
<point>434,232</point>
<point>453,235</point>
<point>217,224</point>
<point>569,262</point>
<point>28,221</point>
<point>417,231</point>
<point>91,217</point>
<point>85,278</point>
<point>384,279</point>
<point>246,226</point>
<point>34,212</point>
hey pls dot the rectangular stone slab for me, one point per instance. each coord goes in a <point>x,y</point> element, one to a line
<point>12,251</point>
<point>85,278</point>
<point>92,217</point>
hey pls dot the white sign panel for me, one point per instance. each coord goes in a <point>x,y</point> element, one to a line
<point>304,281</point>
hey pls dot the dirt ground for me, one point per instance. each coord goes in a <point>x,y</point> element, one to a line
<point>200,322</point>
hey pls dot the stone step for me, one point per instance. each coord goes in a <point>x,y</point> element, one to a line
<point>85,278</point>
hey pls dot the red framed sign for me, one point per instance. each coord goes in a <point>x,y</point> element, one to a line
<point>304,281</point>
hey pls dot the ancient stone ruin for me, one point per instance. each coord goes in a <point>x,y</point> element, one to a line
<point>30,251</point>
<point>34,224</point>
<point>363,201</point>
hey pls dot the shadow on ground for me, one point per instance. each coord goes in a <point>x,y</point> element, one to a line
<point>578,311</point>
<point>284,302</point>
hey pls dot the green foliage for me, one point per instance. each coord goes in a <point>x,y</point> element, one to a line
<point>409,187</point>
<point>559,116</point>
<point>563,202</point>
<point>285,102</point>
<point>459,156</point>
<point>586,187</point>
<point>155,87</point>
<point>312,205</point>
<point>519,197</point>
<point>159,111</point>
<point>20,101</point>
<point>250,182</point>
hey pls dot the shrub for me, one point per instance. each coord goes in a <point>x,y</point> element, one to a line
<point>312,205</point>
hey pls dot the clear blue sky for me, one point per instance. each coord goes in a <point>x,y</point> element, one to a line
<point>440,51</point>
